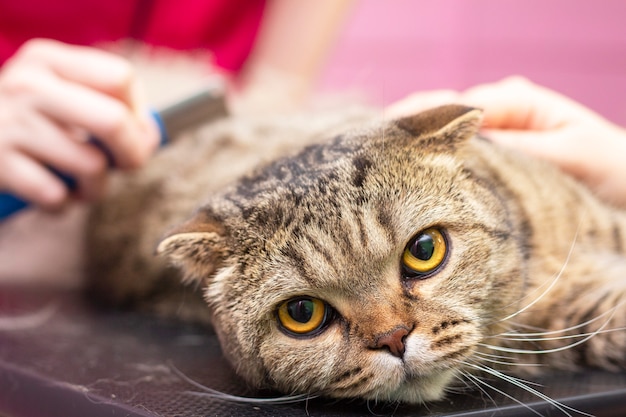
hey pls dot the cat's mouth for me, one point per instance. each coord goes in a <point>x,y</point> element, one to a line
<point>417,378</point>
<point>424,373</point>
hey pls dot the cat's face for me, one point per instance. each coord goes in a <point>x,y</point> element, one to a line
<point>368,267</point>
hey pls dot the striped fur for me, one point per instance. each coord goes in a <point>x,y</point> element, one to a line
<point>530,251</point>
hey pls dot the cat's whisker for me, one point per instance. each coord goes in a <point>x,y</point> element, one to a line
<point>469,378</point>
<point>568,329</point>
<point>479,382</point>
<point>542,332</point>
<point>553,282</point>
<point>536,337</point>
<point>571,336</point>
<point>511,363</point>
<point>457,389</point>
<point>491,355</point>
<point>523,385</point>
<point>508,361</point>
<point>214,394</point>
<point>520,380</point>
<point>515,324</point>
<point>376,401</point>
<point>288,399</point>
<point>587,337</point>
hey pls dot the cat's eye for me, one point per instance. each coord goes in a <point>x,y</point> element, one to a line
<point>424,254</point>
<point>304,316</point>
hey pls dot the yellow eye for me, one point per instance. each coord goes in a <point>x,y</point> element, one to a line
<point>303,316</point>
<point>424,253</point>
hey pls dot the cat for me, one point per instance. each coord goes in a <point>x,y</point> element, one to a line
<point>373,259</point>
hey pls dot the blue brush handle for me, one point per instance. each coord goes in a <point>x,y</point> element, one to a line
<point>10,204</point>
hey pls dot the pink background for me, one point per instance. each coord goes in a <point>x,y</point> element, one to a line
<point>389,48</point>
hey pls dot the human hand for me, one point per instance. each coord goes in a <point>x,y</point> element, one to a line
<point>546,124</point>
<point>52,97</point>
<point>543,123</point>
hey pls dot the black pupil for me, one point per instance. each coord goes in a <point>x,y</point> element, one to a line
<point>301,310</point>
<point>423,247</point>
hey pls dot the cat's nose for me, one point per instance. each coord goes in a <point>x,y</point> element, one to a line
<point>393,341</point>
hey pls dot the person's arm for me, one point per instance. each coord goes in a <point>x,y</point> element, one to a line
<point>292,43</point>
<point>52,97</point>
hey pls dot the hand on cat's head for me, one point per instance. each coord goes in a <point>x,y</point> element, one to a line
<point>543,123</point>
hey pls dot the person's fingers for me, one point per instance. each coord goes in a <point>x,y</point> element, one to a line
<point>546,145</point>
<point>88,66</point>
<point>516,103</point>
<point>62,147</point>
<point>89,88</point>
<point>106,118</point>
<point>545,124</point>
<point>572,149</point>
<point>28,179</point>
<point>50,145</point>
<point>508,104</point>
<point>82,161</point>
<point>129,140</point>
<point>421,101</point>
<point>58,93</point>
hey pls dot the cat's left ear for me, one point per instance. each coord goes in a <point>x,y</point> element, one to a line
<point>451,124</point>
<point>198,246</point>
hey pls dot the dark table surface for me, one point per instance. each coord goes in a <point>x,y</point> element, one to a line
<point>61,357</point>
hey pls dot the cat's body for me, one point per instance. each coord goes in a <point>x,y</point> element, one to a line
<point>384,263</point>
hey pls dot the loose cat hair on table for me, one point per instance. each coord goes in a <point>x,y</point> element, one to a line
<point>382,260</point>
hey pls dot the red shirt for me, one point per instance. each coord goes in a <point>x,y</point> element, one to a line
<point>227,28</point>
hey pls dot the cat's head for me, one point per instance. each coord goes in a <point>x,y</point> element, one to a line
<point>369,266</point>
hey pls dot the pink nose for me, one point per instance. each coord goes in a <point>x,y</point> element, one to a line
<point>393,340</point>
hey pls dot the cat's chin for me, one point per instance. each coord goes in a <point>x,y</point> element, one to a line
<point>416,389</point>
<point>424,389</point>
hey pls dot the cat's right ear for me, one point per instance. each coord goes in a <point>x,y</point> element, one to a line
<point>197,247</point>
<point>451,124</point>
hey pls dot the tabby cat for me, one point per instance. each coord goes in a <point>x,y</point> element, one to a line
<point>380,260</point>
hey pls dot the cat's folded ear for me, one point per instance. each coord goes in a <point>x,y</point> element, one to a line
<point>451,124</point>
<point>198,246</point>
